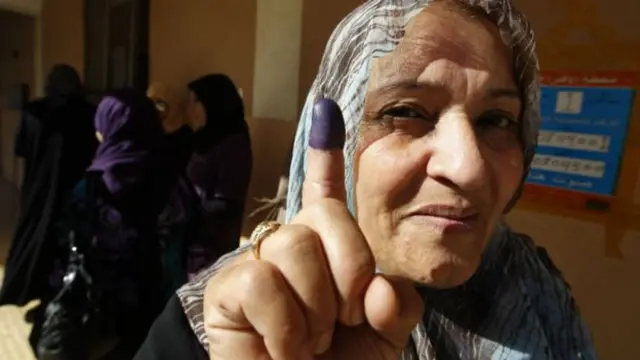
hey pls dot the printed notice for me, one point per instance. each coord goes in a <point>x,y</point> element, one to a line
<point>584,124</point>
<point>571,166</point>
<point>574,141</point>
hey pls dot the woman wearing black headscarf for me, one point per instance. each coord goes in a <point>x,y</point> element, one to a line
<point>56,141</point>
<point>220,168</point>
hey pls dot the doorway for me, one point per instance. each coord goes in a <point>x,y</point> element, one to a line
<point>116,45</point>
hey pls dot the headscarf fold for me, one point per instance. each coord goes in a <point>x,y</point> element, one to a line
<point>131,132</point>
<point>224,110</point>
<point>517,305</point>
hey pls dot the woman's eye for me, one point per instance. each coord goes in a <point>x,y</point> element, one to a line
<point>403,112</point>
<point>498,120</point>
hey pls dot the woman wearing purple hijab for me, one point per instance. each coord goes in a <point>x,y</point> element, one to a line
<point>116,210</point>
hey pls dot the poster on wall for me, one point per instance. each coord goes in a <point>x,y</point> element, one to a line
<point>585,117</point>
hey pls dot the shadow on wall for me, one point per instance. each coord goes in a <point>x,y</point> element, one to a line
<point>17,49</point>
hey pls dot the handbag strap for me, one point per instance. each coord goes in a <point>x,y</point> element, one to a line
<point>79,247</point>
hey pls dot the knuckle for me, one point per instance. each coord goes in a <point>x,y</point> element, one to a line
<point>294,239</point>
<point>326,208</point>
<point>253,276</point>
<point>332,206</point>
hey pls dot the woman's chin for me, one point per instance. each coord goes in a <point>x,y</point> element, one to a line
<point>434,266</point>
<point>444,275</point>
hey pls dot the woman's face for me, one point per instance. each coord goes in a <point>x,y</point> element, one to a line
<point>439,156</point>
<point>196,114</point>
<point>170,105</point>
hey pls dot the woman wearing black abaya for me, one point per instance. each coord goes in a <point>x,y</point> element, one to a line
<point>220,168</point>
<point>56,141</point>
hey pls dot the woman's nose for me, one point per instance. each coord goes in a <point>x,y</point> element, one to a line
<point>456,157</point>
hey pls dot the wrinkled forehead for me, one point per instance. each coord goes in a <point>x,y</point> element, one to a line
<point>437,33</point>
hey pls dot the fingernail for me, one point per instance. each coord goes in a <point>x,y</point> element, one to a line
<point>324,342</point>
<point>327,126</point>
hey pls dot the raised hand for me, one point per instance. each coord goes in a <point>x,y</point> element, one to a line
<point>313,293</point>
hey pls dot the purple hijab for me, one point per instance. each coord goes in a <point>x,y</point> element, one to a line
<point>131,131</point>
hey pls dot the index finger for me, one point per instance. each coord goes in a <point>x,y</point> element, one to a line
<point>325,161</point>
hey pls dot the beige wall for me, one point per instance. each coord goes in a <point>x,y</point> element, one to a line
<point>17,37</point>
<point>602,35</point>
<point>190,38</point>
<point>62,24</point>
<point>196,37</point>
<point>318,19</point>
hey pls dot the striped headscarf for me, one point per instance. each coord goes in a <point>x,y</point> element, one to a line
<point>517,305</point>
<point>373,31</point>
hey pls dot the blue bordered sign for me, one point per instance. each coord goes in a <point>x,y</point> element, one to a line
<point>583,133</point>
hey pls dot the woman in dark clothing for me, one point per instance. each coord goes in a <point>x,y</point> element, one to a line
<point>181,222</point>
<point>170,105</point>
<point>56,140</point>
<point>132,183</point>
<point>220,168</point>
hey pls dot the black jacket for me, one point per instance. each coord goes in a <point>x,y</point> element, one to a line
<point>171,337</point>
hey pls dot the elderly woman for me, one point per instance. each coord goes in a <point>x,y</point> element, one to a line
<point>395,246</point>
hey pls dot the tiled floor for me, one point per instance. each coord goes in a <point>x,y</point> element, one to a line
<point>13,330</point>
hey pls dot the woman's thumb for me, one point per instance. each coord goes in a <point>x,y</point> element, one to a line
<point>393,308</point>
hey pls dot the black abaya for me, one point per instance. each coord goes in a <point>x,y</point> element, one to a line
<point>56,139</point>
<point>171,337</point>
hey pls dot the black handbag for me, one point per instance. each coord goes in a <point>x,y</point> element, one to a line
<point>75,319</point>
<point>65,334</point>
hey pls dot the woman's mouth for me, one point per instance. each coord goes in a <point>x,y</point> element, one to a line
<point>448,219</point>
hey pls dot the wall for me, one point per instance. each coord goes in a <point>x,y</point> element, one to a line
<point>319,19</point>
<point>62,26</point>
<point>17,37</point>
<point>593,35</point>
<point>277,56</point>
<point>196,37</point>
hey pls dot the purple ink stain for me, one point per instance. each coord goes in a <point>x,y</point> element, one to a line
<point>327,126</point>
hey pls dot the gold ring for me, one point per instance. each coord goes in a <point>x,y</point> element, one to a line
<point>261,232</point>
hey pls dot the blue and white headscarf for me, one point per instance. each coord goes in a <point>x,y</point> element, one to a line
<point>517,305</point>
